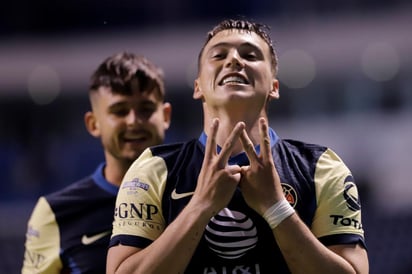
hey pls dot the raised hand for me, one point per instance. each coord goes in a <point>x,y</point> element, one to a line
<point>260,183</point>
<point>217,180</point>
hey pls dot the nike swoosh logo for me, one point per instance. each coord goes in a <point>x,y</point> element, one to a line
<point>177,196</point>
<point>87,240</point>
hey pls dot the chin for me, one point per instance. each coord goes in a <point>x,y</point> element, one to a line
<point>132,155</point>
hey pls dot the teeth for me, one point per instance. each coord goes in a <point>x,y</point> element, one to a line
<point>135,137</point>
<point>234,79</point>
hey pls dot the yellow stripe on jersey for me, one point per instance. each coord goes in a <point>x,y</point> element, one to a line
<point>338,210</point>
<point>138,205</point>
<point>42,241</point>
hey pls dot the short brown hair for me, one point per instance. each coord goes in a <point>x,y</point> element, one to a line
<point>241,24</point>
<point>119,70</point>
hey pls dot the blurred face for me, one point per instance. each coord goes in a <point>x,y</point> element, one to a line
<point>129,124</point>
<point>235,67</point>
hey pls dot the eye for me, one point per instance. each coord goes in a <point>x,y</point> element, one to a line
<point>120,112</point>
<point>146,110</point>
<point>218,54</point>
<point>250,56</point>
<point>250,52</point>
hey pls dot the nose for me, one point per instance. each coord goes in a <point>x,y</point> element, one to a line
<point>234,60</point>
<point>132,117</point>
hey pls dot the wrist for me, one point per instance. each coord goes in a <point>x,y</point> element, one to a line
<point>277,213</point>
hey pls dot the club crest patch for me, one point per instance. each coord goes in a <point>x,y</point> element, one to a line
<point>290,194</point>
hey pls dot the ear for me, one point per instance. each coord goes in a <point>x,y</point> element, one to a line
<point>197,93</point>
<point>92,125</point>
<point>167,114</point>
<point>274,93</point>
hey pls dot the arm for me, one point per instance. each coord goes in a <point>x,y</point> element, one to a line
<point>172,250</point>
<point>303,252</point>
<point>170,253</point>
<point>42,241</point>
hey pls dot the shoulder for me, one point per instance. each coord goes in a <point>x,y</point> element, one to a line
<point>316,162</point>
<point>44,210</point>
<point>41,209</point>
<point>160,161</point>
<point>323,157</point>
<point>169,153</point>
<point>172,149</point>
<point>78,193</point>
<point>82,185</point>
<point>42,222</point>
<point>42,241</point>
<point>299,151</point>
<point>301,146</point>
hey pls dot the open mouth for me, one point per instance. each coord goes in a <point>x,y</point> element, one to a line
<point>136,138</point>
<point>233,80</point>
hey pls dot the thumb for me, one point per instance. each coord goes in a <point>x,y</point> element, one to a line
<point>244,169</point>
<point>235,171</point>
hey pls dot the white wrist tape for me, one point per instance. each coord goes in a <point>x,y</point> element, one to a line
<point>275,214</point>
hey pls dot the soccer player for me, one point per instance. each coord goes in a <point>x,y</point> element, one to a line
<point>239,199</point>
<point>69,230</point>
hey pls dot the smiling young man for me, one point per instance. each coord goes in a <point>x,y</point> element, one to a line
<point>238,199</point>
<point>69,230</point>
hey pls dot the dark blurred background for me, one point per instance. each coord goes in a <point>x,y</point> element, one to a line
<point>345,72</point>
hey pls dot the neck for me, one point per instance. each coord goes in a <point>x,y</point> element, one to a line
<point>228,122</point>
<point>115,170</point>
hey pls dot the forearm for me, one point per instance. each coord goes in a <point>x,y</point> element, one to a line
<point>304,253</point>
<point>172,251</point>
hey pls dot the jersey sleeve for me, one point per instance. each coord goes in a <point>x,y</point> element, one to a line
<point>42,241</point>
<point>138,214</point>
<point>337,219</point>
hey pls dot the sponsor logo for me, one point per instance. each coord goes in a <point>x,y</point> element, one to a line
<point>290,194</point>
<point>140,211</point>
<point>241,269</point>
<point>231,234</point>
<point>135,184</point>
<point>350,193</point>
<point>87,240</point>
<point>139,223</point>
<point>33,258</point>
<point>177,196</point>
<point>344,221</point>
<point>31,232</point>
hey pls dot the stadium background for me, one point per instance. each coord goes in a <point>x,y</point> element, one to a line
<point>345,72</point>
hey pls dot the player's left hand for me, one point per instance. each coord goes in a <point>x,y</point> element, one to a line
<point>260,183</point>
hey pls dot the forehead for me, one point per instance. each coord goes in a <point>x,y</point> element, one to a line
<point>237,37</point>
<point>106,96</point>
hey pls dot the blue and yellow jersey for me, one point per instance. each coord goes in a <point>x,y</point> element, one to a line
<point>69,230</point>
<point>161,182</point>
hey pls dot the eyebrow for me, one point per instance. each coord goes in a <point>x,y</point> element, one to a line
<point>226,44</point>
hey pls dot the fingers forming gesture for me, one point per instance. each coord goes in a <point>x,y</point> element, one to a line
<point>260,183</point>
<point>217,180</point>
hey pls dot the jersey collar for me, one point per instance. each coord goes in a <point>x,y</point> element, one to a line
<point>241,158</point>
<point>101,181</point>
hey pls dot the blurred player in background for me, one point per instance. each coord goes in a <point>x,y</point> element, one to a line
<point>69,230</point>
